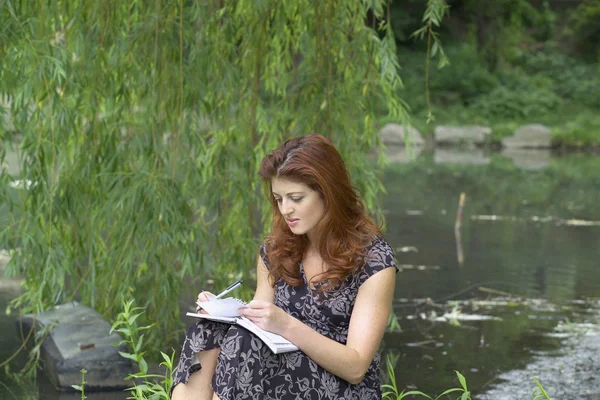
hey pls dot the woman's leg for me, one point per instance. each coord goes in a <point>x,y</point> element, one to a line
<point>198,386</point>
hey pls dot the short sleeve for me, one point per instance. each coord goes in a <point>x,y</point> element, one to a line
<point>380,256</point>
<point>262,251</point>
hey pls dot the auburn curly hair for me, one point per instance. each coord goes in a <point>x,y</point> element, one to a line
<point>345,229</point>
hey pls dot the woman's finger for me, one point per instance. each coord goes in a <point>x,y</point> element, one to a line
<point>259,304</point>
<point>205,296</point>
<point>250,313</point>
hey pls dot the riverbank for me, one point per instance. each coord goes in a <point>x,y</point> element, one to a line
<point>545,87</point>
<point>572,373</point>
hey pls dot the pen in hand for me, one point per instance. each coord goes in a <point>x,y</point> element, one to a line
<point>229,289</point>
<point>223,293</point>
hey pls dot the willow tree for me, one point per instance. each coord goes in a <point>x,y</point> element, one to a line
<point>142,125</point>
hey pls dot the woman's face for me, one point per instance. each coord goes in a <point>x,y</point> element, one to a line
<point>301,206</point>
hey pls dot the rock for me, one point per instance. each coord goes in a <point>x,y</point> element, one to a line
<point>455,156</point>
<point>79,340</point>
<point>5,106</point>
<point>472,134</point>
<point>395,134</point>
<point>402,154</point>
<point>12,286</point>
<point>11,163</point>
<point>528,159</point>
<point>534,136</point>
<point>4,259</point>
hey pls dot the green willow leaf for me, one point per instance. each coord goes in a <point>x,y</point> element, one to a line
<point>143,126</point>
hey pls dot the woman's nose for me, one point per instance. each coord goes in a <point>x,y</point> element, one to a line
<point>286,207</point>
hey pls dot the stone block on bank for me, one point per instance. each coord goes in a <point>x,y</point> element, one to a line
<point>395,134</point>
<point>461,135</point>
<point>533,136</point>
<point>79,340</point>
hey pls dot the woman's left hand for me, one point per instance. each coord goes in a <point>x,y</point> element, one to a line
<point>266,316</point>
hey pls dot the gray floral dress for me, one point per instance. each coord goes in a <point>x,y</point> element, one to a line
<point>247,369</point>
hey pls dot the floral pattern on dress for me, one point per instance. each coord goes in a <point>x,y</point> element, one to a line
<point>247,369</point>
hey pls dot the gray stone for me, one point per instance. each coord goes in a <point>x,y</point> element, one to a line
<point>79,340</point>
<point>457,156</point>
<point>402,154</point>
<point>528,159</point>
<point>12,286</point>
<point>396,134</point>
<point>4,259</point>
<point>11,163</point>
<point>529,137</point>
<point>7,122</point>
<point>456,135</point>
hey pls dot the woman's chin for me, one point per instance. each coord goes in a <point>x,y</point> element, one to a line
<point>297,231</point>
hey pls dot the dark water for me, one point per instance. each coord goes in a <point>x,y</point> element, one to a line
<point>536,255</point>
<point>551,261</point>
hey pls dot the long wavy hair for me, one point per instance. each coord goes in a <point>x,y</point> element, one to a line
<point>345,230</point>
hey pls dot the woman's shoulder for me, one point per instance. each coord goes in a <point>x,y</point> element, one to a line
<point>262,250</point>
<point>378,256</point>
<point>379,250</point>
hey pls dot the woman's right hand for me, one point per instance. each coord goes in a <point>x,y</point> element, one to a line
<point>203,296</point>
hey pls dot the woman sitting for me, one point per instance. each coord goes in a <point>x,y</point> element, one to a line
<point>325,282</point>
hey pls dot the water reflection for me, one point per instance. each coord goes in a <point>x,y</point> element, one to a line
<point>529,257</point>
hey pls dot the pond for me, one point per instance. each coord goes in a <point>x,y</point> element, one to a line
<point>529,245</point>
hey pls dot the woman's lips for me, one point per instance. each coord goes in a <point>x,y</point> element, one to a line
<point>292,222</point>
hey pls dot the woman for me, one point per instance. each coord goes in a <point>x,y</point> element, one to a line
<point>325,282</point>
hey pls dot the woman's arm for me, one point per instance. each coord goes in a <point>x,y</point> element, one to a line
<point>264,290</point>
<point>367,326</point>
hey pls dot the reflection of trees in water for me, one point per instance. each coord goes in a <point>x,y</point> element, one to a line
<point>521,257</point>
<point>536,259</point>
<point>478,349</point>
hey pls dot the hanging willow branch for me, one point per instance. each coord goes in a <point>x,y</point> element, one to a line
<point>433,16</point>
<point>143,124</point>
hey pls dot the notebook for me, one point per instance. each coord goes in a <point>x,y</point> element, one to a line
<point>225,310</point>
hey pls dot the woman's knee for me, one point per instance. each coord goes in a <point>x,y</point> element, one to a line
<point>208,358</point>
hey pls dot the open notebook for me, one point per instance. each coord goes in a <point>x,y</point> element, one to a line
<point>225,310</point>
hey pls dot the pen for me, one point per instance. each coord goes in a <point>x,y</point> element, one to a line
<point>229,289</point>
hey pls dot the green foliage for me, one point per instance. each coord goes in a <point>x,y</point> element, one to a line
<point>581,131</point>
<point>391,390</point>
<point>432,18</point>
<point>539,393</point>
<point>143,125</point>
<point>465,394</point>
<point>543,87</point>
<point>503,102</point>
<point>147,388</point>
<point>81,388</point>
<point>573,79</point>
<point>512,64</point>
<point>583,27</point>
<point>467,78</point>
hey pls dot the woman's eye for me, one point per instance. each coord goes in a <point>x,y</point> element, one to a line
<point>297,200</point>
<point>278,200</point>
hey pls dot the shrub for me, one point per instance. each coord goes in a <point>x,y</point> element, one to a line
<point>503,102</point>
<point>574,80</point>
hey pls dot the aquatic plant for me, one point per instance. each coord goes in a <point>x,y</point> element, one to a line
<point>144,382</point>
<point>81,388</point>
<point>391,389</point>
